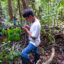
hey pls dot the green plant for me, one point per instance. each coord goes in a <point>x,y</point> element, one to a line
<point>7,54</point>
<point>14,33</point>
<point>4,31</point>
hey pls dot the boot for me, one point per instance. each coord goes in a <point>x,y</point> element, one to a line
<point>36,58</point>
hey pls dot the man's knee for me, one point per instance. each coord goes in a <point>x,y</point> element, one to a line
<point>23,53</point>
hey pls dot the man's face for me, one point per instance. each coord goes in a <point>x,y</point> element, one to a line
<point>29,19</point>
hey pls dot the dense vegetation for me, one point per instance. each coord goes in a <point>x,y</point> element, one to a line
<point>49,12</point>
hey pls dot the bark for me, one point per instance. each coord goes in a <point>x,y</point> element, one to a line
<point>10,9</point>
<point>33,0</point>
<point>0,8</point>
<point>24,4</point>
<point>19,7</point>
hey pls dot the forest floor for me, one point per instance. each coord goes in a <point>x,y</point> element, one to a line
<point>58,44</point>
<point>45,47</point>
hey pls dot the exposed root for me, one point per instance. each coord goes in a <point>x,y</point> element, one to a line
<point>49,60</point>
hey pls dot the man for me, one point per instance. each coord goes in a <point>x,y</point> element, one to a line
<point>33,32</point>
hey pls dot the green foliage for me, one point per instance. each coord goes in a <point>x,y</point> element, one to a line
<point>14,34</point>
<point>4,31</point>
<point>48,35</point>
<point>7,53</point>
<point>11,55</point>
<point>8,56</point>
<point>48,11</point>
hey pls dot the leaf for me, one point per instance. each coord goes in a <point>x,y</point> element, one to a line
<point>15,53</point>
<point>3,42</point>
<point>11,57</point>
<point>0,61</point>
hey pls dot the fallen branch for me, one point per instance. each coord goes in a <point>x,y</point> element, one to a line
<point>49,60</point>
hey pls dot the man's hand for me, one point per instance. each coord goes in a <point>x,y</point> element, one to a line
<point>28,32</point>
<point>26,26</point>
<point>25,29</point>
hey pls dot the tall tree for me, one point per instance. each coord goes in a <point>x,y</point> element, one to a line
<point>10,9</point>
<point>24,3</point>
<point>33,0</point>
<point>19,8</point>
<point>0,8</point>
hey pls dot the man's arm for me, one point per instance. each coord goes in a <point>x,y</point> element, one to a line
<point>26,26</point>
<point>28,32</point>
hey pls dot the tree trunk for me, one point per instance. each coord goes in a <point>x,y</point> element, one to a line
<point>19,8</point>
<point>24,3</point>
<point>0,8</point>
<point>33,0</point>
<point>10,9</point>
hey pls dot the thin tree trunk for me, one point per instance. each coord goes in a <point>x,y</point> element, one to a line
<point>10,9</point>
<point>24,3</point>
<point>19,8</point>
<point>48,14</point>
<point>0,8</point>
<point>33,0</point>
